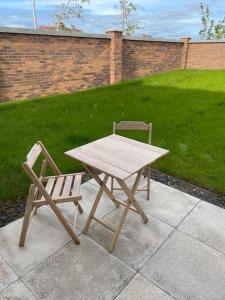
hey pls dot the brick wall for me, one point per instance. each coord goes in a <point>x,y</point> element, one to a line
<point>206,55</point>
<point>34,65</point>
<point>141,58</point>
<point>116,55</point>
<point>37,63</point>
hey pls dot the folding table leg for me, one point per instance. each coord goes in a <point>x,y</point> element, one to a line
<point>137,181</point>
<point>119,226</point>
<point>101,183</point>
<point>131,197</point>
<point>95,205</point>
<point>131,200</point>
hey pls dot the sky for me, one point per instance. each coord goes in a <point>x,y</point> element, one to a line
<point>158,18</point>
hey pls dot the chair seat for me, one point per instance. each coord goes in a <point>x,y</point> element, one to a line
<point>64,186</point>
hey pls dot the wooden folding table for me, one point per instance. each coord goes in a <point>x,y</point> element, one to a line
<point>120,158</point>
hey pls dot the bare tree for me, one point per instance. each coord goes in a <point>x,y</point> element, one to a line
<point>128,22</point>
<point>210,29</point>
<point>68,10</point>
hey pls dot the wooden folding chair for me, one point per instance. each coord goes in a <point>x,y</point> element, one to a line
<point>135,125</point>
<point>50,190</point>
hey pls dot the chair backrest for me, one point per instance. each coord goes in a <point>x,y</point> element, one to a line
<point>134,125</point>
<point>31,159</point>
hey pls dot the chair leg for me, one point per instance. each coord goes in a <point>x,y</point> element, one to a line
<point>26,219</point>
<point>64,222</point>
<point>39,195</point>
<point>79,207</point>
<point>148,183</point>
<point>112,184</point>
<point>75,216</point>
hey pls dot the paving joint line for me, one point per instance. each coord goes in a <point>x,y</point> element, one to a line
<point>158,286</point>
<point>157,249</point>
<point>36,266</point>
<point>170,234</point>
<point>32,291</point>
<point>188,213</point>
<point>194,238</point>
<point>120,292</point>
<point>10,284</point>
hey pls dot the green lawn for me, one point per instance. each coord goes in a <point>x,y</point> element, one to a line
<point>187,109</point>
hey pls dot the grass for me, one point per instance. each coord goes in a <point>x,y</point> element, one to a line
<point>187,109</point>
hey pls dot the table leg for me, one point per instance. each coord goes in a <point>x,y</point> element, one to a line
<point>101,183</point>
<point>95,205</point>
<point>130,195</point>
<point>131,201</point>
<point>137,181</point>
<point>119,226</point>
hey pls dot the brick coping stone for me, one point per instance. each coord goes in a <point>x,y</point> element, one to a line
<point>15,30</point>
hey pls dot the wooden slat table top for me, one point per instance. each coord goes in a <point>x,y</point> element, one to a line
<point>117,156</point>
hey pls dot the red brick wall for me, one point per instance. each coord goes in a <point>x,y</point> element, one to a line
<point>34,64</point>
<point>116,56</point>
<point>141,58</point>
<point>206,55</point>
<point>37,65</point>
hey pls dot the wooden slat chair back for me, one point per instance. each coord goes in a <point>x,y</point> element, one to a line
<point>49,190</point>
<point>134,125</point>
<point>139,126</point>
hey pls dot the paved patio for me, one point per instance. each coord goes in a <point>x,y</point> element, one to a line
<point>179,254</point>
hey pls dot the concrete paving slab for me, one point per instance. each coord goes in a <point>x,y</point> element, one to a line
<point>54,268</point>
<point>207,223</point>
<point>88,192</point>
<point>187,269</point>
<point>168,204</point>
<point>7,276</point>
<point>17,291</point>
<point>141,288</point>
<point>45,236</point>
<point>137,241</point>
<point>79,272</point>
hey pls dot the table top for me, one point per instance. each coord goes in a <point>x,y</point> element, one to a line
<point>117,156</point>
